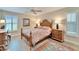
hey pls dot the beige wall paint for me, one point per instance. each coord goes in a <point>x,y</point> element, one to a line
<point>59,15</point>
<point>51,16</point>
<point>33,20</point>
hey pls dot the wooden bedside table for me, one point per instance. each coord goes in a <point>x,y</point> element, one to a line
<point>58,35</point>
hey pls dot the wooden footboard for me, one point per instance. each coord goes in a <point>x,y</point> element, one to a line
<point>42,40</point>
<point>29,38</point>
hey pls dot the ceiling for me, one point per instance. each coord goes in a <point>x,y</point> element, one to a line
<point>27,10</point>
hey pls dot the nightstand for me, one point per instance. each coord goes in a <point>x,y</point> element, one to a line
<point>58,35</point>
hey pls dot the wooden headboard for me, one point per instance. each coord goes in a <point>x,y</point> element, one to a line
<point>46,23</point>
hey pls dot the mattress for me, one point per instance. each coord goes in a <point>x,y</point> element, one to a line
<point>37,33</point>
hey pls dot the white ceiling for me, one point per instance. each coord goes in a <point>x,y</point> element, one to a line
<point>28,9</point>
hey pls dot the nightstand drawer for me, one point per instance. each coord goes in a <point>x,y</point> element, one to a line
<point>57,35</point>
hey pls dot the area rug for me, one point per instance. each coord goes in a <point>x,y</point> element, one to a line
<point>52,45</point>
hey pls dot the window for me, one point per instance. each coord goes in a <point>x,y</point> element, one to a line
<point>72,23</point>
<point>11,23</point>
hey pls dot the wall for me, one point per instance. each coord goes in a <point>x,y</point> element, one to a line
<point>20,19</point>
<point>6,13</point>
<point>33,20</point>
<point>59,15</point>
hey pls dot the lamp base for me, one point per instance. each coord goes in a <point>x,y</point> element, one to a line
<point>57,26</point>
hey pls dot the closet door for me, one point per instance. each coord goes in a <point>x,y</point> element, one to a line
<point>71,28</point>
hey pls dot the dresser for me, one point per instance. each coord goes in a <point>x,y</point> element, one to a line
<point>2,39</point>
<point>58,35</point>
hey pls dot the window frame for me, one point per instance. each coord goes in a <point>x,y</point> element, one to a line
<point>11,18</point>
<point>71,33</point>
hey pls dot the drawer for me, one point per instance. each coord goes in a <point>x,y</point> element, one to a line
<point>58,35</point>
<point>2,38</point>
<point>1,42</point>
<point>54,32</point>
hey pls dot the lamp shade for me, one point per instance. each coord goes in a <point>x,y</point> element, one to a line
<point>2,21</point>
<point>57,22</point>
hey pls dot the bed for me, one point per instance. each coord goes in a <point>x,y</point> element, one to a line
<point>37,35</point>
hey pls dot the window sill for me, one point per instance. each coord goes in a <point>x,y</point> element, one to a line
<point>72,34</point>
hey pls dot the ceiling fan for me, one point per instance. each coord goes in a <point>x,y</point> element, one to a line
<point>36,11</point>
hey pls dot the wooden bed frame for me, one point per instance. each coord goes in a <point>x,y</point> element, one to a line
<point>29,39</point>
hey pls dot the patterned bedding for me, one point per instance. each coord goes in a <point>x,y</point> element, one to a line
<point>37,33</point>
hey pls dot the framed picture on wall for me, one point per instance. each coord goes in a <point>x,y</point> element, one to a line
<point>26,22</point>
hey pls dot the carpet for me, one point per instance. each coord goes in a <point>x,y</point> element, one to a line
<point>17,44</point>
<point>52,45</point>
